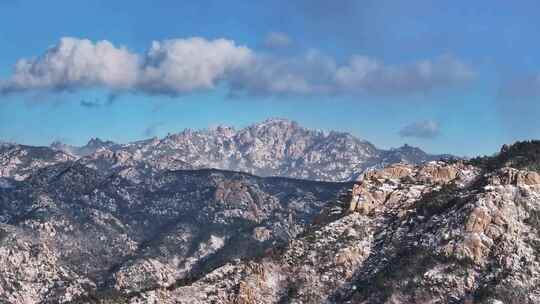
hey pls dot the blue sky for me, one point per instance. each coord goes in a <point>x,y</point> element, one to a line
<point>455,77</point>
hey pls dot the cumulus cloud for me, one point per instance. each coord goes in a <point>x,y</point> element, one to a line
<point>422,129</point>
<point>182,66</point>
<point>169,67</point>
<point>76,63</point>
<point>186,65</point>
<point>275,40</point>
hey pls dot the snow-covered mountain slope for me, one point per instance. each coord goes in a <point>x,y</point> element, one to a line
<point>275,147</point>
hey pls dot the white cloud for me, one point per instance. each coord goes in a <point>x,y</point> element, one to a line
<point>76,63</point>
<point>171,67</point>
<point>182,66</point>
<point>421,129</point>
<point>185,65</point>
<point>318,74</point>
<point>364,74</point>
<point>307,75</point>
<point>276,40</point>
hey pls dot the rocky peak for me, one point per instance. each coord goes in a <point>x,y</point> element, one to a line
<point>225,131</point>
<point>273,129</point>
<point>96,142</point>
<point>276,122</point>
<point>406,148</point>
<point>58,145</point>
<point>94,145</point>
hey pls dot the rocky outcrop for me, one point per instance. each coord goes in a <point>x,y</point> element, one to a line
<point>510,176</point>
<point>143,275</point>
<point>386,187</point>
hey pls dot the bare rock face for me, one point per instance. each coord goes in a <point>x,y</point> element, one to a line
<point>262,234</point>
<point>143,275</point>
<point>385,187</point>
<point>478,220</point>
<point>396,171</point>
<point>510,176</point>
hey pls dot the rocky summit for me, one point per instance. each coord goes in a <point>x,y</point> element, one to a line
<point>130,224</point>
<point>275,147</point>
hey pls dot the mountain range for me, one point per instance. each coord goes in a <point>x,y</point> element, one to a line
<point>275,147</point>
<point>152,222</point>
